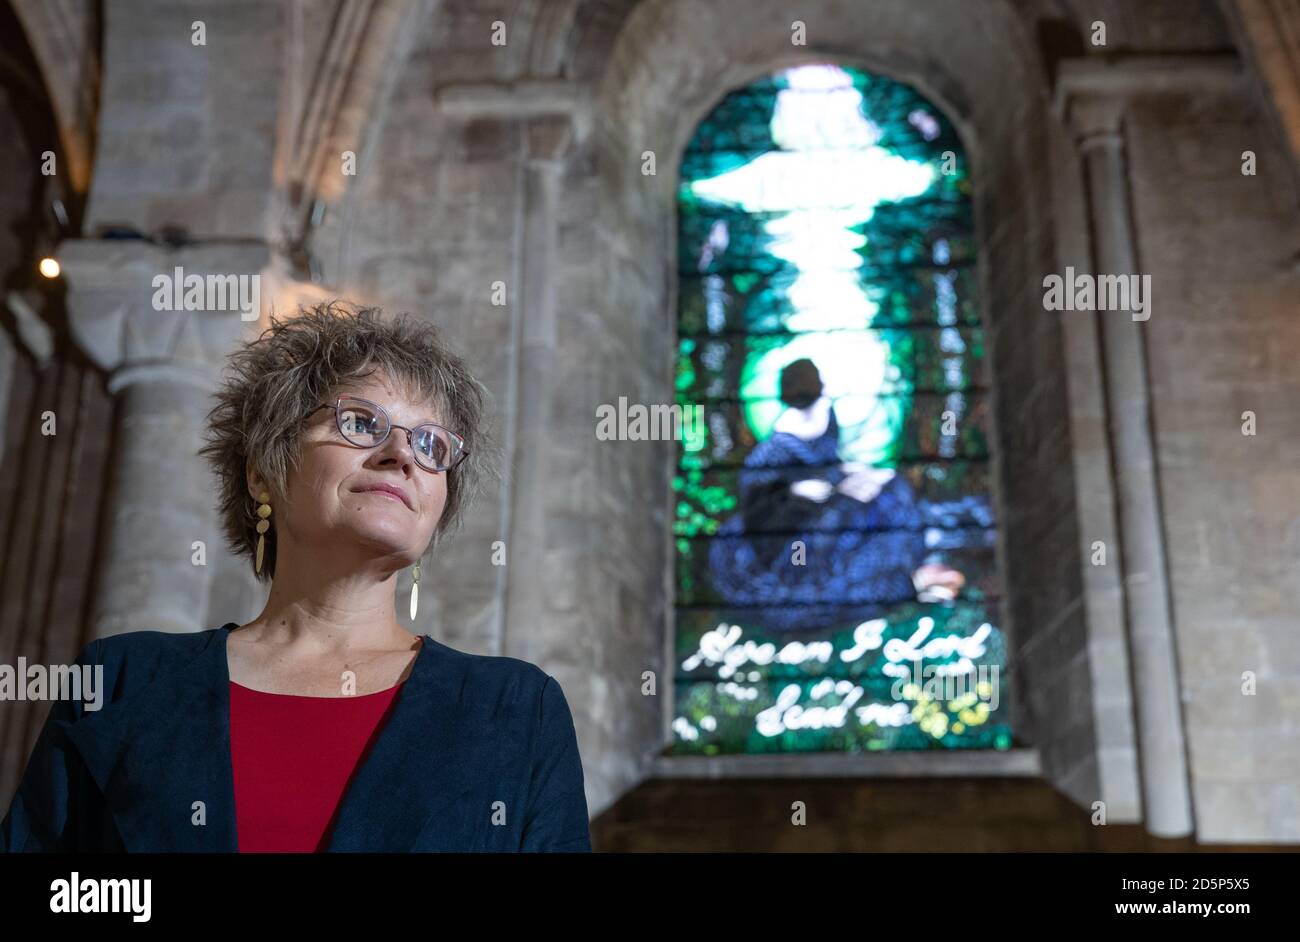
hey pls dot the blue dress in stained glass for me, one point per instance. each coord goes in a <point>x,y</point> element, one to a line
<point>858,556</point>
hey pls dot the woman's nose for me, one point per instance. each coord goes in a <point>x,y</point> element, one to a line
<point>397,447</point>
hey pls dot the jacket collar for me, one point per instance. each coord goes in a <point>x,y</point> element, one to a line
<point>160,750</point>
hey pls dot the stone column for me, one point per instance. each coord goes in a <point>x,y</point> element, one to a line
<point>163,364</point>
<point>1095,107</point>
<point>535,364</point>
<point>553,120</point>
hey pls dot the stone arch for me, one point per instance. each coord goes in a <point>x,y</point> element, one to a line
<point>339,106</point>
<point>672,61</point>
<point>64,38</point>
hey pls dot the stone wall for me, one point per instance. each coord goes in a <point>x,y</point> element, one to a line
<point>520,165</point>
<point>1221,248</point>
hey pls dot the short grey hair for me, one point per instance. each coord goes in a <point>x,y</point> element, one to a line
<point>272,384</point>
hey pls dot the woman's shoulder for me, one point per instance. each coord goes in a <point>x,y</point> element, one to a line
<point>140,655</point>
<point>147,644</point>
<point>121,664</point>
<point>497,678</point>
<point>498,667</point>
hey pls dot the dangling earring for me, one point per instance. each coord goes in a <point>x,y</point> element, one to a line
<point>415,589</point>
<point>263,525</point>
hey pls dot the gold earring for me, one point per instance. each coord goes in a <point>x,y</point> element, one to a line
<point>263,525</point>
<point>415,589</point>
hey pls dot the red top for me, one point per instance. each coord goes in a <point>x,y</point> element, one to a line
<point>292,758</point>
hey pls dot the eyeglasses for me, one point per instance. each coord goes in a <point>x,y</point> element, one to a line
<point>365,424</point>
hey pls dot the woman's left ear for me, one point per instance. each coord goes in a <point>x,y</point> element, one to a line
<point>256,486</point>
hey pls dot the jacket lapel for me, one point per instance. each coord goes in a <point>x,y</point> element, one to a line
<point>157,752</point>
<point>417,769</point>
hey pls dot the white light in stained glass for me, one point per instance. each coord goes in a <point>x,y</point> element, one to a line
<point>827,179</point>
<point>840,178</point>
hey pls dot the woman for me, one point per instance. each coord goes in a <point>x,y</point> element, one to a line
<point>344,444</point>
<point>862,529</point>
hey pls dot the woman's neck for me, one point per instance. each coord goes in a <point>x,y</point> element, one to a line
<point>344,611</point>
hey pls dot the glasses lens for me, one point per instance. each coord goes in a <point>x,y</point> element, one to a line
<point>435,447</point>
<point>362,423</point>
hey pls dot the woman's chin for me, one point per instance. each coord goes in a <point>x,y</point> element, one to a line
<point>378,541</point>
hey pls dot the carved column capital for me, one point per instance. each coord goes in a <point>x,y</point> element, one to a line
<point>1092,93</point>
<point>561,102</point>
<point>144,311</point>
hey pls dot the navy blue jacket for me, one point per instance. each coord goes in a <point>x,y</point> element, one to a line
<point>478,753</point>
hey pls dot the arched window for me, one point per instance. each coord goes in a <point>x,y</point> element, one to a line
<point>837,584</point>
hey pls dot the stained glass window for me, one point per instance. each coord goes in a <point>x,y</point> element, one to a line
<point>836,580</point>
